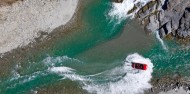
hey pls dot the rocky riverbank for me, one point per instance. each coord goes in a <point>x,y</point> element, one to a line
<point>169,17</point>
<point>166,84</point>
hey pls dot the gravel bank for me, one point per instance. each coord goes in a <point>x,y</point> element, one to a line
<point>25,21</point>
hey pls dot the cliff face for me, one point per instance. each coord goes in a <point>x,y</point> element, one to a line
<point>167,16</point>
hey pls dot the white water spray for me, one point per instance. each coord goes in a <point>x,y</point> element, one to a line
<point>120,80</point>
<point>133,82</point>
<point>160,40</point>
<point>120,10</point>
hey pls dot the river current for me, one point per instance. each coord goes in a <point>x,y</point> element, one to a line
<point>96,58</point>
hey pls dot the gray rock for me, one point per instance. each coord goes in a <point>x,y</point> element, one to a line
<point>184,28</point>
<point>165,29</point>
<point>170,16</point>
<point>161,15</point>
<point>147,9</point>
<point>162,32</point>
<point>173,3</point>
<point>175,21</point>
<point>168,27</point>
<point>153,23</point>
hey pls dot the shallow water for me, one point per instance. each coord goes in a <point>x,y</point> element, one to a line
<point>91,58</point>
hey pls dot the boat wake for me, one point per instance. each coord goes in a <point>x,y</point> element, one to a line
<point>128,80</point>
<point>122,79</point>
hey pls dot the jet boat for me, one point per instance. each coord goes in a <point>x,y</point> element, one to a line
<point>139,66</point>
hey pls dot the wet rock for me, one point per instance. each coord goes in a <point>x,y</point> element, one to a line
<point>117,1</point>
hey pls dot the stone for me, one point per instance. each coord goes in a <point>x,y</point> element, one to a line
<point>171,16</point>
<point>153,23</point>
<point>184,28</point>
<point>162,33</point>
<point>168,27</point>
<point>118,1</point>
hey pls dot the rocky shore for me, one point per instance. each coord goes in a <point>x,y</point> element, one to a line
<point>166,84</point>
<point>169,17</point>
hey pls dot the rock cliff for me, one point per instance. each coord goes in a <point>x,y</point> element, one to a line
<point>169,17</point>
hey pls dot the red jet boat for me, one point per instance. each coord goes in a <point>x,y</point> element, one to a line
<point>139,66</point>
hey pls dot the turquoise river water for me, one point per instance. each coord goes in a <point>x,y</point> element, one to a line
<point>91,59</point>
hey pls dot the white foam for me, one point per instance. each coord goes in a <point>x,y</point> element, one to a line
<point>120,10</point>
<point>23,21</point>
<point>120,80</point>
<point>160,40</point>
<point>61,69</point>
<point>52,64</point>
<point>68,73</point>
<point>55,65</point>
<point>134,82</point>
<point>53,61</point>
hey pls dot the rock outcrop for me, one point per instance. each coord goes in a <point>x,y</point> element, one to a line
<point>168,16</point>
<point>184,28</point>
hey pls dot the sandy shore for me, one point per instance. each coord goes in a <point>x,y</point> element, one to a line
<point>25,21</point>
